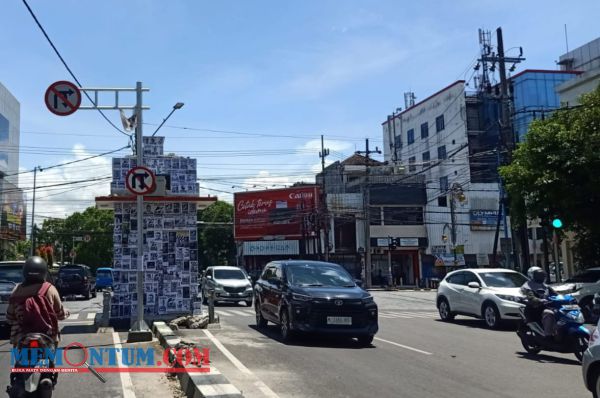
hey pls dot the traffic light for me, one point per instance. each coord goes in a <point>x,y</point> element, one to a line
<point>557,223</point>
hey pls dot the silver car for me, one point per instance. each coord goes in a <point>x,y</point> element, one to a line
<point>591,364</point>
<point>231,284</point>
<point>492,294</point>
<point>11,273</point>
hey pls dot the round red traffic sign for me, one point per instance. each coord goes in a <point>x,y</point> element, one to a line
<point>140,181</point>
<point>62,98</point>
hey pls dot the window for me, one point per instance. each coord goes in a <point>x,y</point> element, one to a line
<point>411,163</point>
<point>410,136</point>
<point>398,141</point>
<point>269,273</point>
<point>471,277</point>
<point>444,184</point>
<point>503,279</point>
<point>425,130</point>
<point>589,276</point>
<point>443,201</point>
<point>442,152</point>
<point>439,123</point>
<point>403,216</point>
<point>456,279</point>
<point>426,159</point>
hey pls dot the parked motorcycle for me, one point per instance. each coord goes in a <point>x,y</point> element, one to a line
<point>572,336</point>
<point>35,384</point>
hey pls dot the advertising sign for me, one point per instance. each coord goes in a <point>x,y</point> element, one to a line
<point>13,212</point>
<point>288,213</point>
<point>483,220</point>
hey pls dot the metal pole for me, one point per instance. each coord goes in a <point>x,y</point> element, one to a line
<point>534,241</point>
<point>32,251</point>
<point>325,223</point>
<point>557,269</point>
<point>140,325</point>
<point>453,229</point>
<point>368,265</point>
<point>390,281</point>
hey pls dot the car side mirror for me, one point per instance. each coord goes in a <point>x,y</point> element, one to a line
<point>249,277</point>
<point>474,285</point>
<point>275,282</point>
<point>358,282</point>
<point>208,277</point>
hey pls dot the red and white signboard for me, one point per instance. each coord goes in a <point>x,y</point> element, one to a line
<point>276,213</point>
<point>63,98</point>
<point>140,181</point>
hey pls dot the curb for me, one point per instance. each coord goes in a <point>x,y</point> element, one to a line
<point>212,384</point>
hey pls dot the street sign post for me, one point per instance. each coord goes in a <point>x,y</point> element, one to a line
<point>62,98</point>
<point>140,181</point>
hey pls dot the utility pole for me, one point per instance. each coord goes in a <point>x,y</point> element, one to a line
<point>32,250</point>
<point>506,142</point>
<point>366,209</point>
<point>325,214</point>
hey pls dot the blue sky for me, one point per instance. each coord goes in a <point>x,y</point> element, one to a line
<point>288,70</point>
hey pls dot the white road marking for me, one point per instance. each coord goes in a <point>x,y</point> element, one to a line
<point>241,367</point>
<point>126,382</point>
<point>404,346</point>
<point>240,313</point>
<point>91,315</point>
<point>223,313</point>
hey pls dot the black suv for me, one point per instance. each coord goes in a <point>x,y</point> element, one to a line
<point>76,279</point>
<point>313,296</point>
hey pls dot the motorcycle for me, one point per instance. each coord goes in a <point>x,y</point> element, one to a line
<point>572,336</point>
<point>41,350</point>
<point>34,384</point>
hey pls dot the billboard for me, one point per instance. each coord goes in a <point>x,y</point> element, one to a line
<point>483,220</point>
<point>289,213</point>
<point>12,225</point>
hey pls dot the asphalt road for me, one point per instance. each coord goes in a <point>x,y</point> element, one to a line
<point>80,328</point>
<point>414,355</point>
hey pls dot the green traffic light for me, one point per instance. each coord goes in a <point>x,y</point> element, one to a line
<point>557,223</point>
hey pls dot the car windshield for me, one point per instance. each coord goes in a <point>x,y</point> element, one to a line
<point>104,274</point>
<point>318,275</point>
<point>229,274</point>
<point>70,272</point>
<point>589,276</point>
<point>12,273</point>
<point>503,279</point>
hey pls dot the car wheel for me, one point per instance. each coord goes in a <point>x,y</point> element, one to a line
<point>261,322</point>
<point>491,316</point>
<point>581,344</point>
<point>365,341</point>
<point>284,327</point>
<point>94,294</point>
<point>444,310</point>
<point>595,384</point>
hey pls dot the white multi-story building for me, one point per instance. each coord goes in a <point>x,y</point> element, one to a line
<point>9,134</point>
<point>447,138</point>
<point>584,59</point>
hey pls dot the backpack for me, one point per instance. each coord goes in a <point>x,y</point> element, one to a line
<point>38,315</point>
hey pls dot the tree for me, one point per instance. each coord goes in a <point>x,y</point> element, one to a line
<point>98,224</point>
<point>555,172</point>
<point>215,234</point>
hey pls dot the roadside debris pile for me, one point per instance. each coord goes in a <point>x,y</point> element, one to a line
<point>189,322</point>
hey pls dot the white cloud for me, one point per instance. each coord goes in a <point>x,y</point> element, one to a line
<point>338,67</point>
<point>332,145</point>
<point>60,201</point>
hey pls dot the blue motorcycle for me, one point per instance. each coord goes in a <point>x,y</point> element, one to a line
<point>571,335</point>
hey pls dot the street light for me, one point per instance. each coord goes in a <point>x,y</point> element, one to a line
<point>178,105</point>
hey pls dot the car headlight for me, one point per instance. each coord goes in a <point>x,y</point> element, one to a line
<point>515,299</point>
<point>218,287</point>
<point>368,300</point>
<point>300,297</point>
<point>248,288</point>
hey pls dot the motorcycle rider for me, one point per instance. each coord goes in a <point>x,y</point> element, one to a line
<point>536,292</point>
<point>35,273</point>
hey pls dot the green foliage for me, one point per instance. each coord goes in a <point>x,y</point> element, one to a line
<point>557,169</point>
<point>215,236</point>
<point>96,223</point>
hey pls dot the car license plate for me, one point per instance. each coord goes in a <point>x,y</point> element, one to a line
<point>339,320</point>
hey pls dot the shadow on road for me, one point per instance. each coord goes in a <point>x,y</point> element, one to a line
<point>310,339</point>
<point>543,358</point>
<point>78,329</point>
<point>474,323</point>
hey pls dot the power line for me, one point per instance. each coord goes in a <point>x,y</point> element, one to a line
<point>69,69</point>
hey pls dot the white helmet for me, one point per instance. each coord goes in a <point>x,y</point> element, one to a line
<point>536,274</point>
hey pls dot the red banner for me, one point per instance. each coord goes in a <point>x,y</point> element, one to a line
<point>289,213</point>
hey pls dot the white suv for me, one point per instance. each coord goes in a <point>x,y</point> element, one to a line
<point>583,286</point>
<point>493,294</point>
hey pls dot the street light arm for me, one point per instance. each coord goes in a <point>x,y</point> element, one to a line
<point>178,105</point>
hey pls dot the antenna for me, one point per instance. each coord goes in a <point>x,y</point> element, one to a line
<point>566,38</point>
